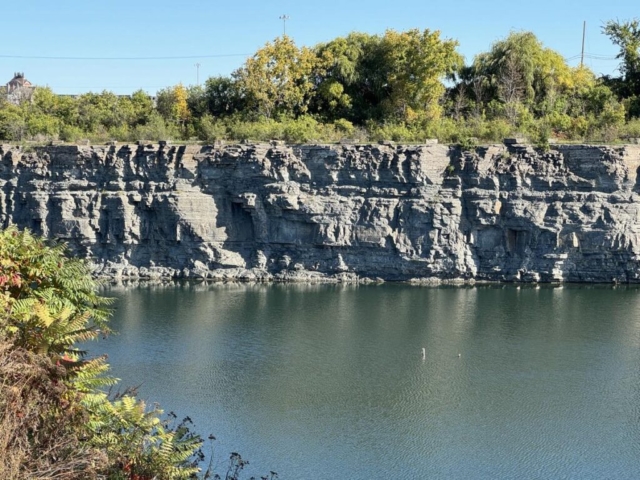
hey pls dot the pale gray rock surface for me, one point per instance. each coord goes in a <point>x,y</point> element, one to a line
<point>338,213</point>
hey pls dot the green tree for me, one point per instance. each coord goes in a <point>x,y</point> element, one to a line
<point>165,99</point>
<point>13,125</point>
<point>277,79</point>
<point>172,104</point>
<point>417,63</point>
<point>42,125</point>
<point>398,76</point>
<point>99,110</point>
<point>223,96</point>
<point>337,74</point>
<point>197,101</point>
<point>352,78</point>
<point>209,129</point>
<point>156,128</point>
<point>46,101</point>
<point>626,35</point>
<point>139,107</point>
<point>520,71</point>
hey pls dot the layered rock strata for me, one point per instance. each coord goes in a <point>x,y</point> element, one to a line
<point>334,212</point>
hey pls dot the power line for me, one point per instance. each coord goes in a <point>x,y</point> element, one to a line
<point>593,56</point>
<point>186,57</point>
<point>596,56</point>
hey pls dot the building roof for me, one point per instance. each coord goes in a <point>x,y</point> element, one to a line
<point>18,89</point>
<point>19,79</point>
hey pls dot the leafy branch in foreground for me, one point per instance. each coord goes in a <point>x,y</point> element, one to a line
<point>55,419</point>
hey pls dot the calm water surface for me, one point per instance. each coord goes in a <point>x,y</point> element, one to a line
<point>325,382</point>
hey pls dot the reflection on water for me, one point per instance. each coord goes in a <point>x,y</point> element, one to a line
<point>328,381</point>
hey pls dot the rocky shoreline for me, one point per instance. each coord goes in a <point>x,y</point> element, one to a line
<point>334,213</point>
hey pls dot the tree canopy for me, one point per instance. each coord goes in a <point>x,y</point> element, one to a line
<point>277,79</point>
<point>626,35</point>
<point>407,85</point>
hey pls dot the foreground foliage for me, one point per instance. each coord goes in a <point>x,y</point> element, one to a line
<point>55,419</point>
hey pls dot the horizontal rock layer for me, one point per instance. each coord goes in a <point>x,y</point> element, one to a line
<point>345,212</point>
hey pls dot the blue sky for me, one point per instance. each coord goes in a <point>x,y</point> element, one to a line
<point>198,28</point>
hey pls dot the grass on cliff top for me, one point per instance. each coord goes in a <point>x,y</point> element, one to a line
<point>307,130</point>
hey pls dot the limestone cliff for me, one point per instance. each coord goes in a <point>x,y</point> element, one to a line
<point>345,212</point>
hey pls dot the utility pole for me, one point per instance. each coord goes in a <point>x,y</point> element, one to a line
<point>197,65</point>
<point>284,19</point>
<point>584,31</point>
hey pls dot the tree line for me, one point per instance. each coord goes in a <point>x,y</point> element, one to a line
<point>403,86</point>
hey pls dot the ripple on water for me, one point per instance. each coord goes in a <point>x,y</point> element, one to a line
<point>329,382</point>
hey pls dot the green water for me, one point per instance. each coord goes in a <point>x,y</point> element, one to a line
<point>329,382</point>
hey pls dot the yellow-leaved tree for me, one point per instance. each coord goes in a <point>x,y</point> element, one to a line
<point>278,79</point>
<point>417,63</point>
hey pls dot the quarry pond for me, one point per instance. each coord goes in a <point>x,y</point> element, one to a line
<point>321,381</point>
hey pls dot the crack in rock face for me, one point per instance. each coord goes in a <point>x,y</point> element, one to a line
<point>336,213</point>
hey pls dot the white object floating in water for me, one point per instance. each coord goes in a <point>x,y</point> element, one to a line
<point>424,352</point>
<point>459,355</point>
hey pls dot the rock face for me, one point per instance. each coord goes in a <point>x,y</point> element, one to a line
<point>341,213</point>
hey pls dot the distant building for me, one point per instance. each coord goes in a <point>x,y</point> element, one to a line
<point>18,89</point>
<point>18,81</point>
